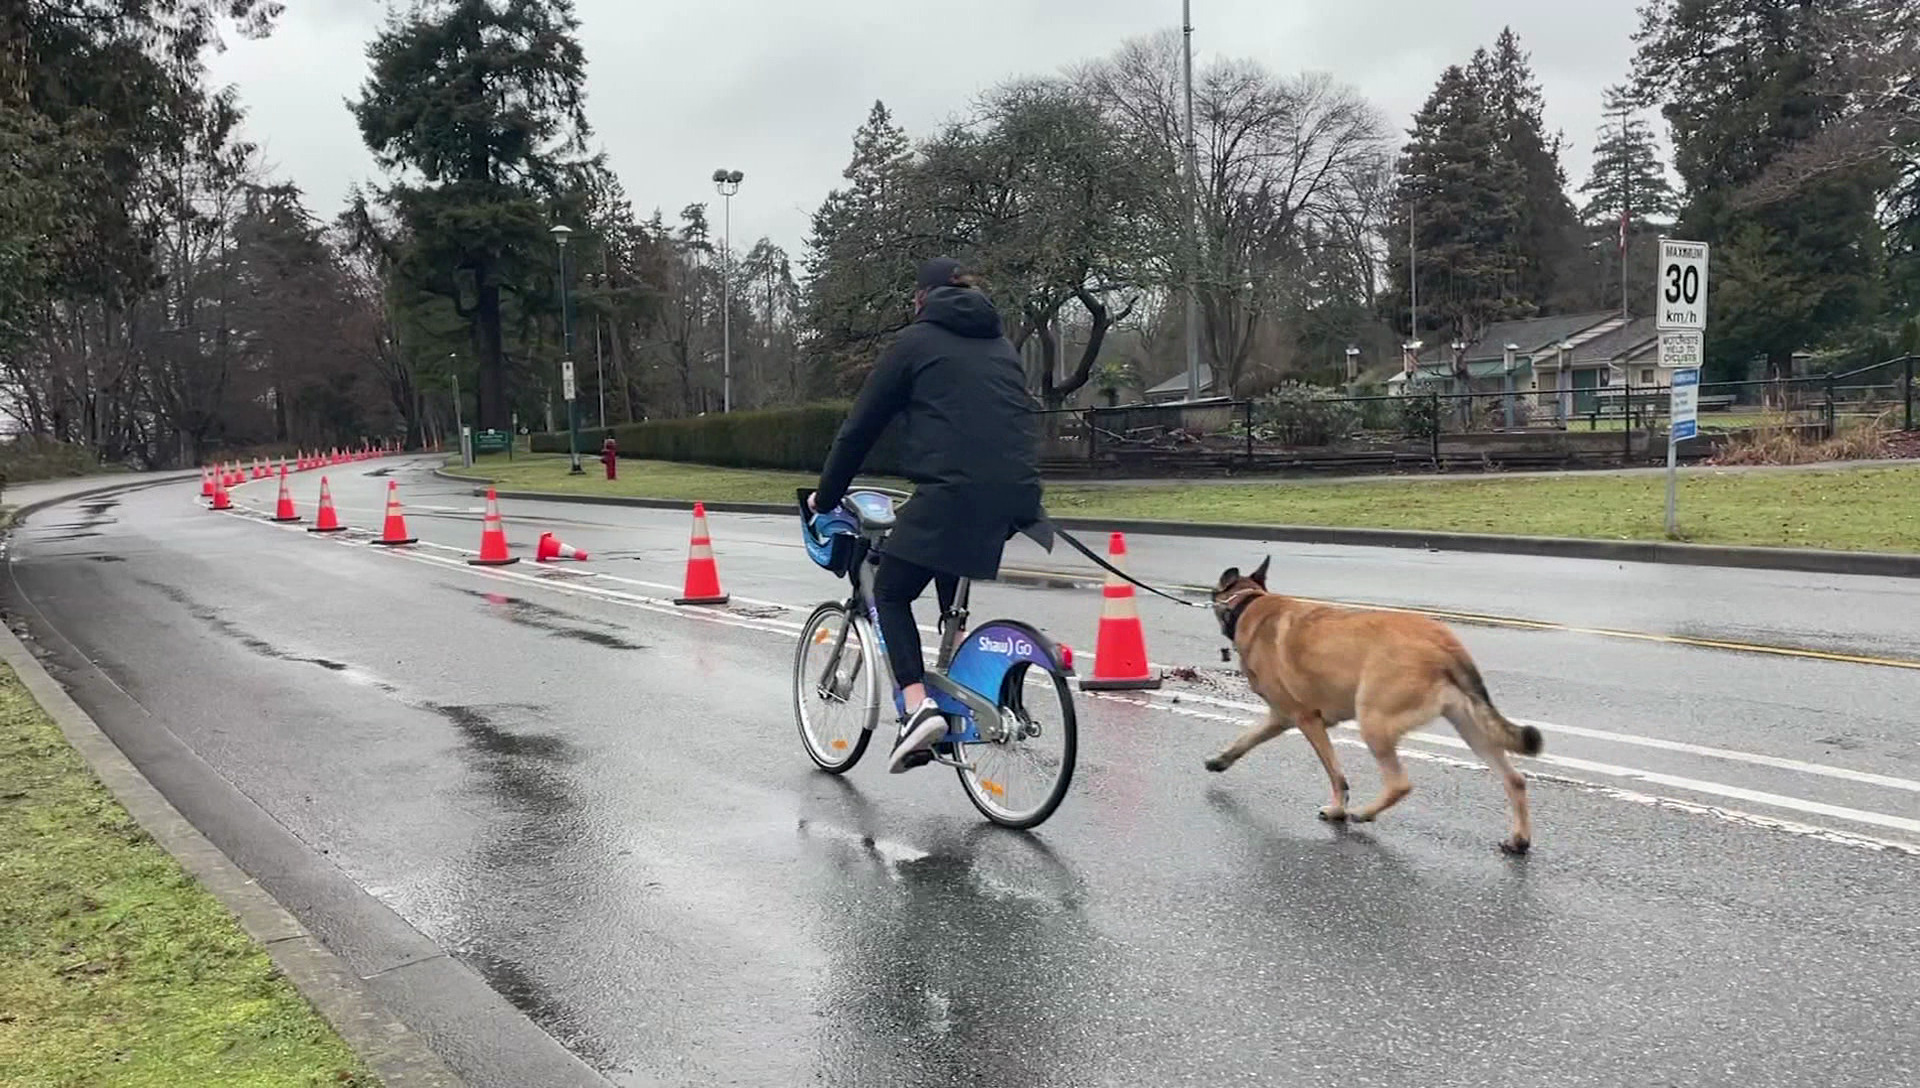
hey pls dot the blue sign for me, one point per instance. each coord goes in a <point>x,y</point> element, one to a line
<point>1686,405</point>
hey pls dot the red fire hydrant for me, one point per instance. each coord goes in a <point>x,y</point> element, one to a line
<point>610,456</point>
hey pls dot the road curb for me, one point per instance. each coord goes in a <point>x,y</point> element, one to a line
<point>1799,560</point>
<point>395,1053</point>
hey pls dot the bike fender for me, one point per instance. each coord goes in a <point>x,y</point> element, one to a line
<point>993,649</point>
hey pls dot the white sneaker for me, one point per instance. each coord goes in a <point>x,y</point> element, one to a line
<point>924,726</point>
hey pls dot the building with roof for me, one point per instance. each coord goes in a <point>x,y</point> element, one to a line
<point>1174,389</point>
<point>1568,358</point>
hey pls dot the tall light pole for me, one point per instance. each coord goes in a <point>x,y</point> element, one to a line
<point>728,183</point>
<point>561,233</point>
<point>1192,165</point>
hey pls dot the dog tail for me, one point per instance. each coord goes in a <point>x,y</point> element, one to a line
<point>1524,739</point>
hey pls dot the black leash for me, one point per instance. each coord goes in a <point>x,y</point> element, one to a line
<point>1101,562</point>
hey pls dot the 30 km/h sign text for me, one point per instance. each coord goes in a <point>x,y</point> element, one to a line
<point>1682,301</point>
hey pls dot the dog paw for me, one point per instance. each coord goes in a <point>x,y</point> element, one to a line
<point>1216,764</point>
<point>1515,847</point>
<point>1333,815</point>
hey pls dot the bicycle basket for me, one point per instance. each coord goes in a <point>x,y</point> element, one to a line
<point>831,540</point>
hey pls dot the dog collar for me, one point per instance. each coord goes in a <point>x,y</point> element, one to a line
<point>1231,621</point>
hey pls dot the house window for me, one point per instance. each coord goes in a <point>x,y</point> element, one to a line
<point>1646,377</point>
<point>1606,378</point>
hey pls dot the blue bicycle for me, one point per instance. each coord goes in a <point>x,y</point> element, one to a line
<point>1011,731</point>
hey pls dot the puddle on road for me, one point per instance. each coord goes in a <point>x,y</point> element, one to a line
<point>552,621</point>
<point>487,737</point>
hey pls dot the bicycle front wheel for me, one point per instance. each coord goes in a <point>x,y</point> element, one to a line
<point>836,689</point>
<point>1018,780</point>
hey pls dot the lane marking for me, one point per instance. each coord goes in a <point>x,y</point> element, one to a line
<point>1343,735</point>
<point>1732,755</point>
<point>1696,808</point>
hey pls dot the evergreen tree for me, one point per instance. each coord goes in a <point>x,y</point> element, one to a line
<point>853,290</point>
<point>1741,85</point>
<point>1628,179</point>
<point>1466,205</point>
<point>1547,236</point>
<point>479,105</point>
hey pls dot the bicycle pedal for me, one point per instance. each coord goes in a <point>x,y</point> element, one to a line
<point>917,759</point>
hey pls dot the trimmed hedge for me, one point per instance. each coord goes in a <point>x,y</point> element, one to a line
<point>779,438</point>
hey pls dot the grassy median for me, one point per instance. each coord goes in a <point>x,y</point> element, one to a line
<point>1853,509</point>
<point>118,968</point>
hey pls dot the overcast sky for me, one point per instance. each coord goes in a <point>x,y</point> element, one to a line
<point>775,88</point>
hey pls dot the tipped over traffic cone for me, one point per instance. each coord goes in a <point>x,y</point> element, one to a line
<point>1120,659</point>
<point>552,548</point>
<point>283,510</point>
<point>493,538</point>
<point>395,531</point>
<point>703,576</point>
<point>327,520</point>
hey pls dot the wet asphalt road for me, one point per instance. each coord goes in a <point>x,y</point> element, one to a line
<point>596,803</point>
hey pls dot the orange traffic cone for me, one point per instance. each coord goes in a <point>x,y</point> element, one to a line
<point>552,548</point>
<point>493,538</point>
<point>206,481</point>
<point>283,510</point>
<point>327,520</point>
<point>395,531</point>
<point>221,500</point>
<point>703,576</point>
<point>1120,659</point>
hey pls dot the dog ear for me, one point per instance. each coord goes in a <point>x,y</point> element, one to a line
<point>1259,574</point>
<point>1231,576</point>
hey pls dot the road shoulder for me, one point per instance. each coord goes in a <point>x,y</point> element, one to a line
<point>398,1056</point>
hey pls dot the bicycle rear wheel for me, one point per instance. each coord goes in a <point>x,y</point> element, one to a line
<point>836,702</point>
<point>1019,780</point>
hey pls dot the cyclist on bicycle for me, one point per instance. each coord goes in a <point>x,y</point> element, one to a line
<point>971,445</point>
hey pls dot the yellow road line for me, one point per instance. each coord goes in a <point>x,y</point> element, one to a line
<point>1518,623</point>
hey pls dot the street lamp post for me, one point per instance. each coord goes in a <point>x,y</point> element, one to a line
<point>1192,167</point>
<point>561,233</point>
<point>728,183</point>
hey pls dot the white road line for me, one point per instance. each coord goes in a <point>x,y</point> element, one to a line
<point>1728,754</point>
<point>1750,819</point>
<point>1162,701</point>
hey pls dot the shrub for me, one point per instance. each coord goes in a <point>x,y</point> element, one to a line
<point>1419,416</point>
<point>780,438</point>
<point>1297,414</point>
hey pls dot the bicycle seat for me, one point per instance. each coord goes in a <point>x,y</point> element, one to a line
<point>875,511</point>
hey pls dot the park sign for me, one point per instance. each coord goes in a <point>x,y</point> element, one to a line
<point>566,379</point>
<point>1685,409</point>
<point>1681,304</point>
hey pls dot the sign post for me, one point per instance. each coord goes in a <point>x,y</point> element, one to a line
<point>567,392</point>
<point>1680,306</point>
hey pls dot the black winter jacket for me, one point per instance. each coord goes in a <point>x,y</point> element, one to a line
<point>971,436</point>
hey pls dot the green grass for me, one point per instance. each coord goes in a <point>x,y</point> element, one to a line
<point>1857,509</point>
<point>119,969</point>
<point>648,479</point>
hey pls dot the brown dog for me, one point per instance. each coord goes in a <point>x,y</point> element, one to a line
<point>1391,672</point>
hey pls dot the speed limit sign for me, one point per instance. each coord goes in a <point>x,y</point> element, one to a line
<point>1681,301</point>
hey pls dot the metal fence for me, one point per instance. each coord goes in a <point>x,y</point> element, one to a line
<point>1438,425</point>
